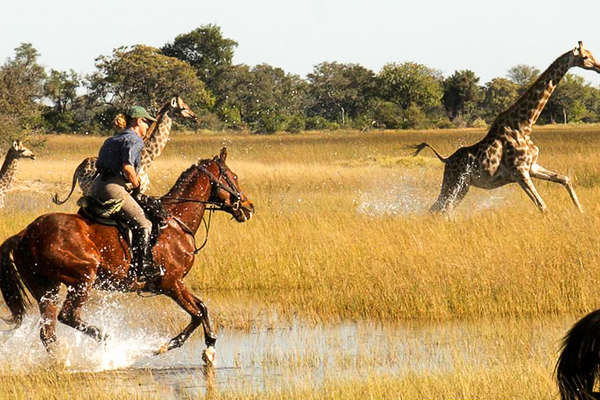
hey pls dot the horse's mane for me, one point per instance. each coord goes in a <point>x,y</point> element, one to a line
<point>186,175</point>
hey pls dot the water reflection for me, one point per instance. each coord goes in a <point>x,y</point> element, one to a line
<point>276,358</point>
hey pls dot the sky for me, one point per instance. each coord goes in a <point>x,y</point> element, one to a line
<point>485,37</point>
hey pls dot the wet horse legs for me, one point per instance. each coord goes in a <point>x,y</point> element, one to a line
<point>199,313</point>
<point>70,314</point>
<point>48,310</point>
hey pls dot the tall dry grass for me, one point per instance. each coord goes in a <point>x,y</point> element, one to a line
<point>341,229</point>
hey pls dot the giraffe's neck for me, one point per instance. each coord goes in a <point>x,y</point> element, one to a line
<point>523,114</point>
<point>158,137</point>
<point>7,172</point>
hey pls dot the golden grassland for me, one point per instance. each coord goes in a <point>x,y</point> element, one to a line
<point>341,229</point>
<point>342,233</point>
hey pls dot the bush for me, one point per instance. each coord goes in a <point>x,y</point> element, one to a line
<point>479,123</point>
<point>363,122</point>
<point>296,123</point>
<point>388,115</point>
<point>444,124</point>
<point>415,118</point>
<point>208,121</point>
<point>231,117</point>
<point>316,123</point>
<point>267,121</point>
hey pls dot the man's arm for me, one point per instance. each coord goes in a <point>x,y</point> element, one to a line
<point>131,175</point>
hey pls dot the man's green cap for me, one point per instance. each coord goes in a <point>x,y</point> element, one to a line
<point>139,112</point>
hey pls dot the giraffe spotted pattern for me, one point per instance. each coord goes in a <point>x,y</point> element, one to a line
<point>507,153</point>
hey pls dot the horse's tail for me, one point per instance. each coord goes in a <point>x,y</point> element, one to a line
<point>11,285</point>
<point>579,360</point>
<point>418,147</point>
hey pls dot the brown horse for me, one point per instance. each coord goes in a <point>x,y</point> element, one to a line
<point>69,249</point>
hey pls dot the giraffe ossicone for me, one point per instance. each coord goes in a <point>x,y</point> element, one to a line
<point>9,168</point>
<point>155,141</point>
<point>507,153</point>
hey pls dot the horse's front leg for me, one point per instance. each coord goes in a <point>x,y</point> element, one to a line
<point>199,313</point>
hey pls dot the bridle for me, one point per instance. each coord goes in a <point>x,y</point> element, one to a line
<point>214,205</point>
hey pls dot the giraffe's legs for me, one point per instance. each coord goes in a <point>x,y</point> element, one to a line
<point>527,184</point>
<point>537,171</point>
<point>454,189</point>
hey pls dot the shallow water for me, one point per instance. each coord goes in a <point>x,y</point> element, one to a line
<point>263,358</point>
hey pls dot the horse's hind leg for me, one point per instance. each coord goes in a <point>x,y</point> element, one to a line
<point>70,314</point>
<point>47,297</point>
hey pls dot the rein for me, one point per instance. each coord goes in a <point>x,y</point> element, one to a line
<point>217,206</point>
<point>188,230</point>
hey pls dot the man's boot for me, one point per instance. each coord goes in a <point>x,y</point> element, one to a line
<point>147,269</point>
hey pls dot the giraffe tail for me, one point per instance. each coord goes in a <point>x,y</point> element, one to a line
<point>11,285</point>
<point>579,360</point>
<point>418,147</point>
<point>79,171</point>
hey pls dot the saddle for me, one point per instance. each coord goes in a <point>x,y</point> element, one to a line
<point>109,213</point>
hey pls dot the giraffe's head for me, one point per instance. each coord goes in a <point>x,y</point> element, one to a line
<point>178,105</point>
<point>18,150</point>
<point>584,59</point>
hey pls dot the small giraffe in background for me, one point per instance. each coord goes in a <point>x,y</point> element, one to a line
<point>507,153</point>
<point>155,141</point>
<point>9,167</point>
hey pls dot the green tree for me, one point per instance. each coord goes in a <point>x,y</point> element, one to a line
<point>21,89</point>
<point>61,89</point>
<point>338,91</point>
<point>263,98</point>
<point>388,115</point>
<point>460,89</point>
<point>206,50</point>
<point>523,75</point>
<point>410,84</point>
<point>143,75</point>
<point>500,93</point>
<point>572,101</point>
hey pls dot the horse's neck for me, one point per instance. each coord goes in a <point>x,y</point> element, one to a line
<point>186,200</point>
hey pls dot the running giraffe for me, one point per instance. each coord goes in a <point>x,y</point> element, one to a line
<point>507,153</point>
<point>155,141</point>
<point>9,167</point>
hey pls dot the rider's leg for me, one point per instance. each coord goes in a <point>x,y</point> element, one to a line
<point>141,245</point>
<point>143,262</point>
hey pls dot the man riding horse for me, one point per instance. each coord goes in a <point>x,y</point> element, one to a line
<point>118,164</point>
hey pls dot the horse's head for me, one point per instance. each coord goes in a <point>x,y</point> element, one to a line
<point>227,193</point>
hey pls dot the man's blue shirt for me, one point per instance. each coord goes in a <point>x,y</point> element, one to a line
<point>123,148</point>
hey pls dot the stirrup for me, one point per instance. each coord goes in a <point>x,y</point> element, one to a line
<point>158,273</point>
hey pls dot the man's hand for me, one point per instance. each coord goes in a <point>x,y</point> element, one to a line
<point>131,175</point>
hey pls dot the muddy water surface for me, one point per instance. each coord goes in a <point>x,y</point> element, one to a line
<point>268,357</point>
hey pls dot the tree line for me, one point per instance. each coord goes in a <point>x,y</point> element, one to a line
<point>198,66</point>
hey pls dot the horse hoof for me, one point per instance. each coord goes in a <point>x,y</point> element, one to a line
<point>209,355</point>
<point>163,349</point>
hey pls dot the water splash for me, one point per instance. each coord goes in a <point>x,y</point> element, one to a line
<point>403,196</point>
<point>22,350</point>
